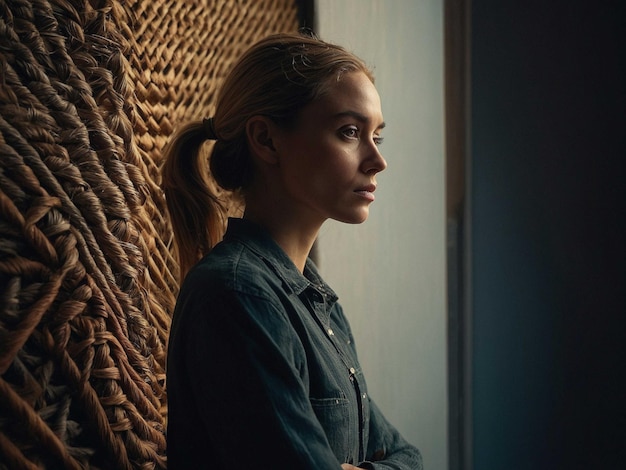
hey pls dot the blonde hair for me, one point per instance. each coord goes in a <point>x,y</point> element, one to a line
<point>276,78</point>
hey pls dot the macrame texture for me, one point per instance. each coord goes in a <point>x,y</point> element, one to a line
<point>89,93</point>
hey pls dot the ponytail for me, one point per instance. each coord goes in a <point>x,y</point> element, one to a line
<point>195,211</point>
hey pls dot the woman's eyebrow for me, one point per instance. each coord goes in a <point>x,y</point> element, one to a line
<point>358,116</point>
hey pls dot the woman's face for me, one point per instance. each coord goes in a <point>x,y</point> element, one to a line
<point>329,161</point>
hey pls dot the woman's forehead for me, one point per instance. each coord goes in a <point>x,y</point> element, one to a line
<point>353,96</point>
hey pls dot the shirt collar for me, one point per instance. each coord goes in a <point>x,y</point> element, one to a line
<point>258,240</point>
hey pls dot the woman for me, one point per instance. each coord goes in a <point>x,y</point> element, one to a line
<point>262,369</point>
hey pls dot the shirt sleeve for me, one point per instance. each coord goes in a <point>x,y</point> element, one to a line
<point>249,374</point>
<point>386,448</point>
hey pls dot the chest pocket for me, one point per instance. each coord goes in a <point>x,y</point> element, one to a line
<point>334,416</point>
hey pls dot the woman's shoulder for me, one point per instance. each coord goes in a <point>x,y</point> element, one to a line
<point>236,283</point>
<point>234,267</point>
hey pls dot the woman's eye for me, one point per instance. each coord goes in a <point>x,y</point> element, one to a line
<point>378,139</point>
<point>350,132</point>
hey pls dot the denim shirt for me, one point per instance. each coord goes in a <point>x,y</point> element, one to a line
<point>262,370</point>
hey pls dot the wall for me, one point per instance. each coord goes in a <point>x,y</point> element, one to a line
<point>547,239</point>
<point>390,271</point>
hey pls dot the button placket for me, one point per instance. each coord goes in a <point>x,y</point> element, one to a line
<point>319,304</point>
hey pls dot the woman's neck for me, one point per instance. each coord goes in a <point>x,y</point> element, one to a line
<point>295,238</point>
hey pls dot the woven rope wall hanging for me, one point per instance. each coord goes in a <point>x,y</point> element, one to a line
<point>89,93</point>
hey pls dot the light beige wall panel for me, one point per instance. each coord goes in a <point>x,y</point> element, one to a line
<point>390,272</point>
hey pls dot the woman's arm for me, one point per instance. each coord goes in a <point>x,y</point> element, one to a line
<point>387,449</point>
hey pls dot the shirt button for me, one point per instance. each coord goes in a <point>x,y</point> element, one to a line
<point>330,332</point>
<point>352,370</point>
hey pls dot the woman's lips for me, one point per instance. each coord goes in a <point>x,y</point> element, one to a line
<point>367,192</point>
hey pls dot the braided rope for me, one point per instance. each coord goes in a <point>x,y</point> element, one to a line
<point>89,93</point>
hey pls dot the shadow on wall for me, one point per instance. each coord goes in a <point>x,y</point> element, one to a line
<point>547,235</point>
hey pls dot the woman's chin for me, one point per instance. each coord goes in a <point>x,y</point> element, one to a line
<point>354,219</point>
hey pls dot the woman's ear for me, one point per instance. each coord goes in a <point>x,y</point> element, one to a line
<point>259,132</point>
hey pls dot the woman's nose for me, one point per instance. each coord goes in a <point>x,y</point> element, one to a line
<point>375,162</point>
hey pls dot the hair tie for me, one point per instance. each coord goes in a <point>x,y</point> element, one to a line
<point>209,130</point>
